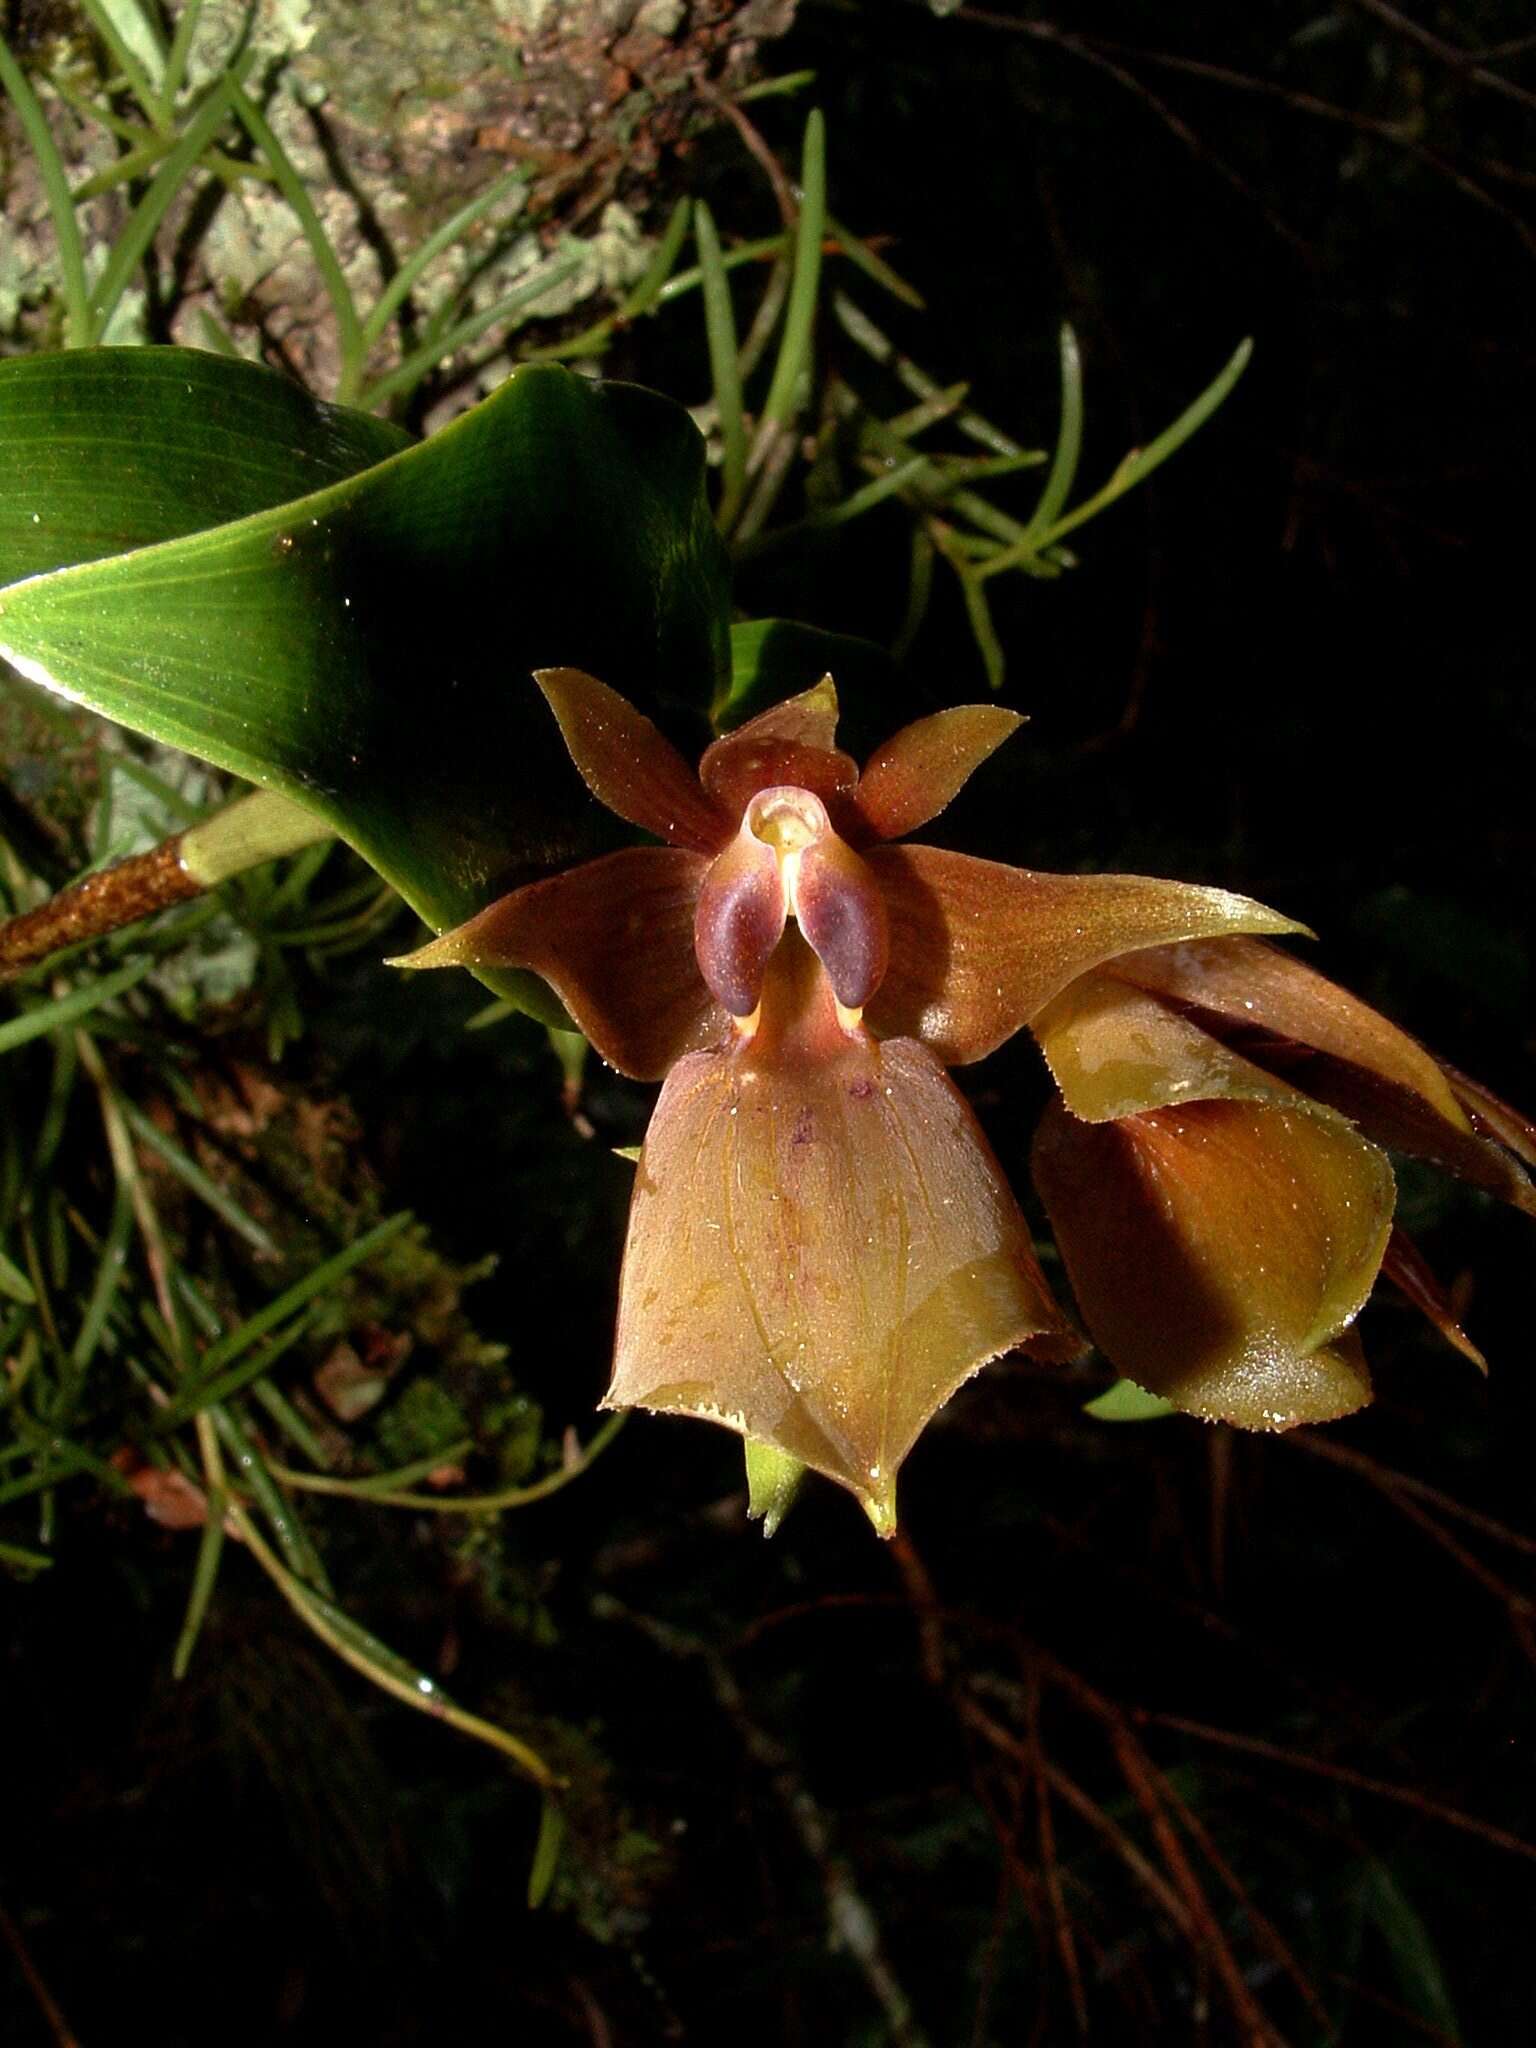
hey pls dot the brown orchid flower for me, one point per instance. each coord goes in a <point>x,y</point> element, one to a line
<point>821,1246</point>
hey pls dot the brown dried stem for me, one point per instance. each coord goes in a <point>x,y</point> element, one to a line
<point>102,903</point>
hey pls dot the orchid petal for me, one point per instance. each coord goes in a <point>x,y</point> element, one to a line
<point>1409,1271</point>
<point>614,940</point>
<point>1344,1053</point>
<point>1115,1052</point>
<point>1220,1250</point>
<point>978,949</point>
<point>792,743</point>
<point>741,916</point>
<point>1258,985</point>
<point>820,1252</point>
<point>842,914</point>
<point>924,767</point>
<point>628,764</point>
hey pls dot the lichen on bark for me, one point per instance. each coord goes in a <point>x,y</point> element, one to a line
<point>394,118</point>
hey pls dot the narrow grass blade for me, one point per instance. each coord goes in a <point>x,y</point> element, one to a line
<point>546,1853</point>
<point>45,1476</point>
<point>648,286</point>
<point>1069,439</point>
<point>205,1574</point>
<point>178,54</point>
<point>132,134</point>
<point>292,1299</point>
<point>60,1091</point>
<point>800,314</point>
<point>765,320</point>
<point>61,210</point>
<point>879,347</point>
<point>875,492</point>
<point>983,631</point>
<point>104,1289</point>
<point>384,1667</point>
<point>216,336</point>
<point>928,412</point>
<point>774,88</point>
<point>644,297</point>
<point>348,326</point>
<point>192,1176</point>
<point>280,1410</point>
<point>744,252</point>
<point>52,1016</point>
<point>443,238</point>
<point>137,79</point>
<point>725,372</point>
<point>379,1491</point>
<point>14,1284</point>
<point>1140,465</point>
<point>919,592</point>
<point>292,1536</point>
<point>374,1483</point>
<point>143,222</point>
<point>205,1392</point>
<point>1419,1969</point>
<point>491,1014</point>
<point>875,267</point>
<point>407,375</point>
<point>138,162</point>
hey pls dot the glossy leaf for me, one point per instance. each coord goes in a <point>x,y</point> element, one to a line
<point>771,659</point>
<point>108,449</point>
<point>367,651</point>
<point>1220,1250</point>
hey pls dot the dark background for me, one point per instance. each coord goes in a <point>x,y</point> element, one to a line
<point>1296,663</point>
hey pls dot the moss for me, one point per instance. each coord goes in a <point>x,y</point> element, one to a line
<point>424,1418</point>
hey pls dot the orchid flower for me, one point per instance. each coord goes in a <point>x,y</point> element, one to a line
<point>822,1247</point>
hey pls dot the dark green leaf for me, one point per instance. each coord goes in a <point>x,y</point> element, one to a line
<point>366,651</point>
<point>107,449</point>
